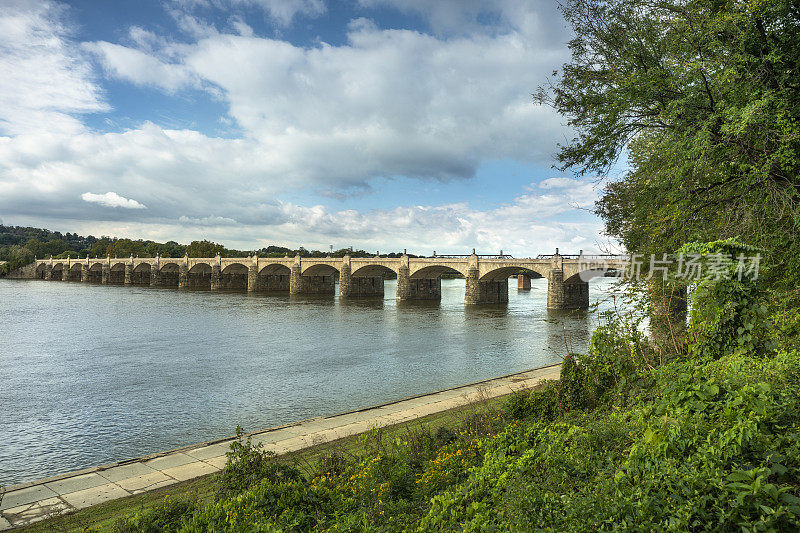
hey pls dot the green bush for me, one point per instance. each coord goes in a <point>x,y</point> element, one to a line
<point>618,356</point>
<point>538,404</point>
<point>728,313</point>
<point>572,385</point>
<point>167,516</point>
<point>248,464</point>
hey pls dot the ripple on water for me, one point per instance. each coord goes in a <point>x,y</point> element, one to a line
<point>91,374</point>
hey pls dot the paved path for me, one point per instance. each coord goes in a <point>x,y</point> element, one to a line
<point>29,502</point>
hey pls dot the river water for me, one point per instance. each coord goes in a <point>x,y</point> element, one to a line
<point>91,374</point>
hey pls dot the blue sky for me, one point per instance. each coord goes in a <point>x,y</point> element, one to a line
<point>378,124</point>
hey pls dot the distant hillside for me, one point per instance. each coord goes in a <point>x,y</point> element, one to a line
<point>20,245</point>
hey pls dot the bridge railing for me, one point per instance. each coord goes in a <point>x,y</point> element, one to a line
<point>615,257</point>
<point>453,256</point>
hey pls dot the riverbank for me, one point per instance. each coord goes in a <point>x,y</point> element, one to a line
<point>27,503</point>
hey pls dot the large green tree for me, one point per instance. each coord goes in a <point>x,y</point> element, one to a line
<point>703,97</point>
<point>205,249</point>
<point>125,248</point>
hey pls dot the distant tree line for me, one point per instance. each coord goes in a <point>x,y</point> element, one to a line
<point>21,245</point>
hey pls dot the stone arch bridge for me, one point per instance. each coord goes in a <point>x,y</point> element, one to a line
<point>418,278</point>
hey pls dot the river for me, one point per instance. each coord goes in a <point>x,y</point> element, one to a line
<point>91,374</point>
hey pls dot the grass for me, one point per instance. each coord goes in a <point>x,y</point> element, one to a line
<point>102,516</point>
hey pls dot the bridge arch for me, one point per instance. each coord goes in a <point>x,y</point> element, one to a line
<point>141,274</point>
<point>585,275</point>
<point>95,272</point>
<point>435,272</point>
<point>503,273</point>
<point>168,274</point>
<point>319,269</point>
<point>199,268</point>
<point>199,276</point>
<point>41,271</point>
<point>233,276</point>
<point>316,278</point>
<point>75,272</point>
<point>275,269</point>
<point>374,271</point>
<point>116,274</point>
<point>366,280</point>
<point>274,277</point>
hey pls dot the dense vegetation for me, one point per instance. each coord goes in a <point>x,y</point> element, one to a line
<point>20,245</point>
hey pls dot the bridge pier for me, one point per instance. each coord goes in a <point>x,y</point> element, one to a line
<point>183,275</point>
<point>566,295</point>
<point>65,273</point>
<point>523,282</point>
<point>128,274</point>
<point>85,272</point>
<point>484,292</point>
<point>296,280</point>
<point>155,276</point>
<point>345,279</point>
<point>216,277</point>
<point>252,278</point>
<point>105,274</point>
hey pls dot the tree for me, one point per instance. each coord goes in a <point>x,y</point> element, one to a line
<point>704,98</point>
<point>100,247</point>
<point>205,249</point>
<point>125,248</point>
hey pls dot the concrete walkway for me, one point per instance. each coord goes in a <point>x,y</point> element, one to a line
<point>36,500</point>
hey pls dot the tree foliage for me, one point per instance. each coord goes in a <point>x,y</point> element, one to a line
<point>703,96</point>
<point>205,249</point>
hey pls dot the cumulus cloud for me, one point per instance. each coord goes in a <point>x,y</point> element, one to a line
<point>45,79</point>
<point>133,65</point>
<point>327,118</point>
<point>111,199</point>
<point>387,103</point>
<point>532,223</point>
<point>539,22</point>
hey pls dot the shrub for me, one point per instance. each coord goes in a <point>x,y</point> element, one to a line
<point>249,464</point>
<point>167,516</point>
<point>539,404</point>
<point>728,311</point>
<point>572,391</point>
<point>618,356</point>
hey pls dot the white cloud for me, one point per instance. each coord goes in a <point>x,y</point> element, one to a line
<point>537,21</point>
<point>133,65</point>
<point>207,221</point>
<point>387,103</point>
<point>282,12</point>
<point>328,118</point>
<point>45,81</point>
<point>111,199</point>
